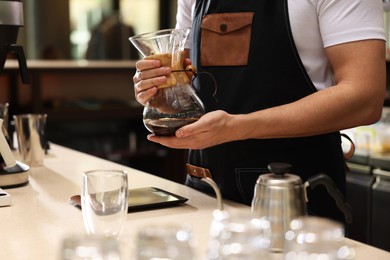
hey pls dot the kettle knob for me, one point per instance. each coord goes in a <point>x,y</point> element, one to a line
<point>279,169</point>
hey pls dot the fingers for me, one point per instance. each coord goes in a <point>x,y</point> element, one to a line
<point>187,62</point>
<point>143,96</point>
<point>190,129</point>
<point>149,86</point>
<point>149,75</point>
<point>142,65</point>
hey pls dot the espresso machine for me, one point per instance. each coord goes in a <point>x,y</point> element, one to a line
<point>11,19</point>
<point>12,173</point>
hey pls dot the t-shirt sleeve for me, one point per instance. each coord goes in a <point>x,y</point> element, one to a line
<point>343,21</point>
<point>184,16</point>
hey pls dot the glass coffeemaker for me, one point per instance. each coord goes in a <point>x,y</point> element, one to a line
<point>176,103</point>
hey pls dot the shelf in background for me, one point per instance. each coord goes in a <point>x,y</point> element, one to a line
<point>70,65</point>
<point>114,112</point>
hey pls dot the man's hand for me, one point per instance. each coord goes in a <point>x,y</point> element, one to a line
<point>211,129</point>
<point>149,75</point>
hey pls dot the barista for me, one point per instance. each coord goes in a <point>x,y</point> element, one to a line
<point>290,75</point>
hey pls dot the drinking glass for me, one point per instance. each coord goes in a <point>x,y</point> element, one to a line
<point>104,202</point>
<point>239,235</point>
<point>76,247</point>
<point>316,238</point>
<point>165,241</point>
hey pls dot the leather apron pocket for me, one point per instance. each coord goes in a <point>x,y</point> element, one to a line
<point>226,39</point>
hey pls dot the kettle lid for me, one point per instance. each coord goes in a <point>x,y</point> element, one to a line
<point>279,176</point>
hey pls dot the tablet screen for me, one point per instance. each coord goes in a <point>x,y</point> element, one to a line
<point>146,198</point>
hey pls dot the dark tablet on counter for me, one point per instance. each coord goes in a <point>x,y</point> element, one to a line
<point>145,198</point>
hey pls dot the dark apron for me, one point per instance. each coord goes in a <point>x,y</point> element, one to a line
<point>247,46</point>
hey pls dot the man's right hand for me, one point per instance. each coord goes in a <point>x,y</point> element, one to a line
<point>149,74</point>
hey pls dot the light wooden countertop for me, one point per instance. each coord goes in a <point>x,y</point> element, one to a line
<point>41,215</point>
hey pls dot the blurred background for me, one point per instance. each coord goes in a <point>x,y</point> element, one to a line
<point>80,65</point>
<point>74,29</point>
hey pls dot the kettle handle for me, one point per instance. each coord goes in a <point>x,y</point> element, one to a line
<point>323,179</point>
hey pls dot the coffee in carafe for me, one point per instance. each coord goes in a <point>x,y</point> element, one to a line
<point>176,103</point>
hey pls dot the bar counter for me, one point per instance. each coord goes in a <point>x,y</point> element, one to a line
<point>41,215</point>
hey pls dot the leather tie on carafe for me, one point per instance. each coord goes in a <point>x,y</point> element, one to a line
<point>177,67</point>
<point>177,74</point>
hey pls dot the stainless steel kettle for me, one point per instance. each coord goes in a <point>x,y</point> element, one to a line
<point>281,197</point>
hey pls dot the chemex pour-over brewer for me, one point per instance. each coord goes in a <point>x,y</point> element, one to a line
<point>176,103</point>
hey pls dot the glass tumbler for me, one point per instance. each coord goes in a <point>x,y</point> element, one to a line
<point>165,241</point>
<point>76,247</point>
<point>316,238</point>
<point>104,202</point>
<point>239,235</point>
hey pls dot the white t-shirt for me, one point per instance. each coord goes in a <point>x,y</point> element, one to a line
<point>316,24</point>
